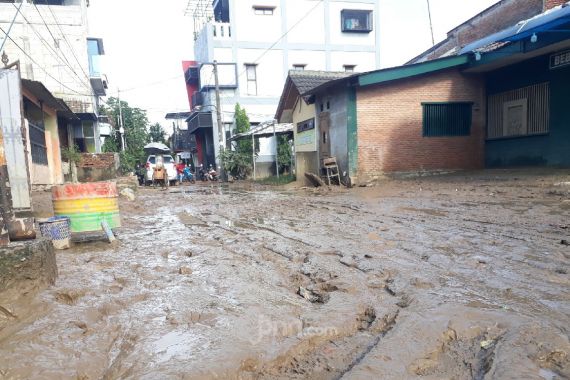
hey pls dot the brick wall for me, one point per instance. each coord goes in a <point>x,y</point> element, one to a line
<point>548,4</point>
<point>390,126</point>
<point>99,161</point>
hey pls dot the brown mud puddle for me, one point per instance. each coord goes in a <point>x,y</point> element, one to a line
<point>419,278</point>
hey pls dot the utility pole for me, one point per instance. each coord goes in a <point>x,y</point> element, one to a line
<point>430,25</point>
<point>121,129</point>
<point>221,133</point>
<point>276,150</point>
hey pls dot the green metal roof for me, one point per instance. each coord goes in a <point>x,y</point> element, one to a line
<point>402,72</point>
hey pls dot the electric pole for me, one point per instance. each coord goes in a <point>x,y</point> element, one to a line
<point>430,24</point>
<point>221,132</point>
<point>121,129</point>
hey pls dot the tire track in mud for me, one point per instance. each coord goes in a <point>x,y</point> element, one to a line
<point>388,323</point>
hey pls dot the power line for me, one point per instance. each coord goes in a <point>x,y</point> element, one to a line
<point>11,25</point>
<point>51,49</point>
<point>283,36</point>
<point>65,39</point>
<point>36,63</point>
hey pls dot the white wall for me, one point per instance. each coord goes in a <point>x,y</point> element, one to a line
<point>269,71</point>
<point>312,28</point>
<point>364,61</point>
<point>70,83</point>
<point>315,60</point>
<point>258,28</point>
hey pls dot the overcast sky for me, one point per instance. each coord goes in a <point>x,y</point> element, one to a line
<point>145,42</point>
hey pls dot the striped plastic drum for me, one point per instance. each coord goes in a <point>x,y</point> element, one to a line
<point>87,205</point>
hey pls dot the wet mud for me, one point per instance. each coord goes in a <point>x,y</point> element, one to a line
<point>449,277</point>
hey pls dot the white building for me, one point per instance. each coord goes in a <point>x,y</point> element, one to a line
<point>256,43</point>
<point>50,39</point>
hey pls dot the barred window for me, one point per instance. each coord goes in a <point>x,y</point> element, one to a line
<point>38,144</point>
<point>521,112</point>
<point>447,119</point>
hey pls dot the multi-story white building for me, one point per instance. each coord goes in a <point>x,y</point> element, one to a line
<point>50,39</point>
<point>257,42</point>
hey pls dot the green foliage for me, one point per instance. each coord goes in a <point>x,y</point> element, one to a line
<point>239,165</point>
<point>71,154</point>
<point>284,153</point>
<point>157,134</point>
<point>239,162</point>
<point>136,126</point>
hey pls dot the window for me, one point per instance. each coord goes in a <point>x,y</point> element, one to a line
<point>356,21</point>
<point>306,125</point>
<point>251,75</point>
<point>38,143</point>
<point>266,11</point>
<point>89,136</point>
<point>447,119</point>
<point>521,112</point>
<point>349,68</point>
<point>300,66</point>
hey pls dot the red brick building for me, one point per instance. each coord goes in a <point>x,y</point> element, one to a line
<point>391,136</point>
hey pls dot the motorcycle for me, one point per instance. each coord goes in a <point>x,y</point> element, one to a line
<point>187,175</point>
<point>212,174</point>
<point>202,174</point>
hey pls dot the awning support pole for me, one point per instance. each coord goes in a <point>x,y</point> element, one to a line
<point>253,154</point>
<point>276,150</point>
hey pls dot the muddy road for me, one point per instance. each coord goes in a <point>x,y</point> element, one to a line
<point>451,277</point>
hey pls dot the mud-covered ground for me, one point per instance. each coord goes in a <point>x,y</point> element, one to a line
<point>450,277</point>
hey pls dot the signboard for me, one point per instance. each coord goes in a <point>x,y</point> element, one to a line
<point>560,59</point>
<point>227,75</point>
<point>305,136</point>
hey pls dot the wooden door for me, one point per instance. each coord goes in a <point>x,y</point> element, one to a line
<point>324,136</point>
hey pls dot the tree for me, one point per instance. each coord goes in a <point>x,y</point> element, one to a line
<point>157,134</point>
<point>136,126</point>
<point>284,153</point>
<point>238,162</point>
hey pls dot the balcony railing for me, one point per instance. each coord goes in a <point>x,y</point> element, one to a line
<point>221,30</point>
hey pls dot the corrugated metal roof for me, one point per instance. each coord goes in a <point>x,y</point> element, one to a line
<point>264,130</point>
<point>306,80</point>
<point>524,29</point>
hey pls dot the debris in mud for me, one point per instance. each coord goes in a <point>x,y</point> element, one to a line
<point>486,344</point>
<point>8,313</point>
<point>405,301</point>
<point>184,270</point>
<point>366,319</point>
<point>313,296</point>
<point>315,180</point>
<point>68,297</point>
<point>565,242</point>
<point>128,193</point>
